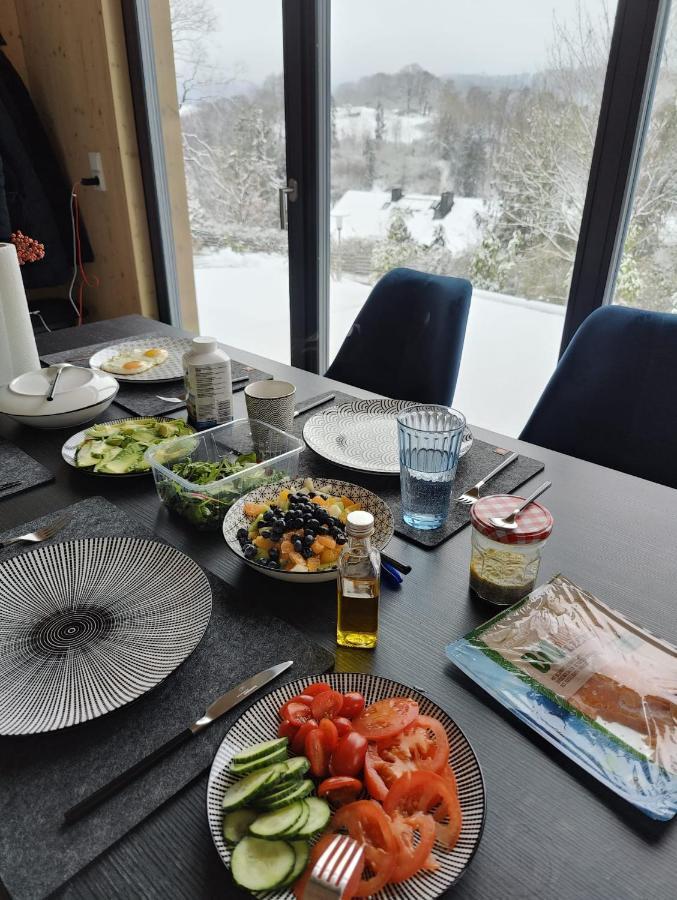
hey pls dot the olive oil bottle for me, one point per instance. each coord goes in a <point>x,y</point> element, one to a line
<point>359,584</point>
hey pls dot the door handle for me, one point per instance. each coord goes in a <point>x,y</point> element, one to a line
<point>287,194</point>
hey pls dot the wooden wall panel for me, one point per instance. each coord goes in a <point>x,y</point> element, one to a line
<point>9,28</point>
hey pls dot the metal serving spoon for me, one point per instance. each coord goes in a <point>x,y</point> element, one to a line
<point>60,367</point>
<point>509,521</point>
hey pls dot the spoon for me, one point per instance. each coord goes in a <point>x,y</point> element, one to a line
<point>59,367</point>
<point>509,521</point>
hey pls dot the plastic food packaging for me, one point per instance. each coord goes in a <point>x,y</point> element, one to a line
<point>598,687</point>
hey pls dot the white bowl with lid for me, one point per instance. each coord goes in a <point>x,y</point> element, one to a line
<point>80,395</point>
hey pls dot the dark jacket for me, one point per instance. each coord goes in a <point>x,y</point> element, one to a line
<point>36,191</point>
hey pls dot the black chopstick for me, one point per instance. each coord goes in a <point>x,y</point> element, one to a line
<point>396,564</point>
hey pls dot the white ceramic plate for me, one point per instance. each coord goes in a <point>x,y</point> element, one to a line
<point>362,435</point>
<point>235,519</point>
<point>87,626</point>
<point>70,448</point>
<point>170,370</point>
<point>260,722</point>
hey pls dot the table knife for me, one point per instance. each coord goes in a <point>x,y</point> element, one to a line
<point>311,404</point>
<point>224,703</point>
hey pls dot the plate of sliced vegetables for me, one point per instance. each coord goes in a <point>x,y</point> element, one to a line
<point>351,753</point>
<point>294,531</point>
<point>117,448</point>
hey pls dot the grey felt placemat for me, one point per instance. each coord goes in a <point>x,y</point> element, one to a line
<point>43,775</point>
<point>141,399</point>
<point>480,459</point>
<point>19,471</point>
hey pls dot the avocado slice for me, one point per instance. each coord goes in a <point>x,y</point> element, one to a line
<point>130,459</point>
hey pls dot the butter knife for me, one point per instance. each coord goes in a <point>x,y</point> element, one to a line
<point>311,404</point>
<point>224,703</point>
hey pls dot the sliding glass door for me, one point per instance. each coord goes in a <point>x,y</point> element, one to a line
<point>462,138</point>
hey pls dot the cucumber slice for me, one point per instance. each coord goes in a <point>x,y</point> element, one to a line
<point>259,865</point>
<point>302,852</point>
<point>293,830</point>
<point>236,824</point>
<point>256,751</point>
<point>240,793</point>
<point>273,824</point>
<point>297,766</point>
<point>319,814</point>
<point>258,763</point>
<point>284,798</point>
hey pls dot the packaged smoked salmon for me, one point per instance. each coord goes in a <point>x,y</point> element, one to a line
<point>598,687</point>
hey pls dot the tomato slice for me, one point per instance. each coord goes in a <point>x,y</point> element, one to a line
<point>343,725</point>
<point>296,712</point>
<point>302,698</point>
<point>286,729</point>
<point>367,823</point>
<point>317,753</point>
<point>315,853</point>
<point>412,855</point>
<point>386,718</point>
<point>353,704</point>
<point>373,771</point>
<point>423,745</point>
<point>427,792</point>
<point>340,789</point>
<point>348,756</point>
<point>318,687</point>
<point>329,734</point>
<point>298,742</point>
<point>327,705</point>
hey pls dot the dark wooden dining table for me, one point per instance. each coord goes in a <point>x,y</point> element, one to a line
<point>551,829</point>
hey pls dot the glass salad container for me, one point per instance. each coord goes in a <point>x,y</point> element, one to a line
<point>504,563</point>
<point>200,476</point>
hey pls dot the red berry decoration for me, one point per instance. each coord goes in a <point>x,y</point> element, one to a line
<point>28,249</point>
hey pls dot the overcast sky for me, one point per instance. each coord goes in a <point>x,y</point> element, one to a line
<point>495,37</point>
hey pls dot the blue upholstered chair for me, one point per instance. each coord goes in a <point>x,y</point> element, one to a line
<point>407,339</point>
<point>613,397</point>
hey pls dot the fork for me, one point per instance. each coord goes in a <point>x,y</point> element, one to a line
<point>472,495</point>
<point>41,534</point>
<point>334,869</point>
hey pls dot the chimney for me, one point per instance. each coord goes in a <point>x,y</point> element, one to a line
<point>396,194</point>
<point>443,208</point>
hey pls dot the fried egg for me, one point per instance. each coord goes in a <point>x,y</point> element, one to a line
<point>127,364</point>
<point>155,354</point>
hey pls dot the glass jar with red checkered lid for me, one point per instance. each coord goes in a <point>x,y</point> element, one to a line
<point>504,563</point>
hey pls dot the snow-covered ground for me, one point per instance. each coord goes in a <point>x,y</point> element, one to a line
<point>510,348</point>
<point>358,122</point>
<point>369,214</point>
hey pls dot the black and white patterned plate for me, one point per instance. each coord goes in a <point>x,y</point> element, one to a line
<point>69,451</point>
<point>260,722</point>
<point>87,626</point>
<point>169,370</point>
<point>363,435</point>
<point>236,519</point>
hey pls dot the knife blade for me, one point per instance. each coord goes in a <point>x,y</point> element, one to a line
<point>220,706</point>
<point>311,404</point>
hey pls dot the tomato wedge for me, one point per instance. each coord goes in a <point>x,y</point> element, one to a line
<point>353,704</point>
<point>298,742</point>
<point>427,792</point>
<point>340,789</point>
<point>317,753</point>
<point>286,729</point>
<point>367,823</point>
<point>318,687</point>
<point>412,855</point>
<point>343,725</point>
<point>327,705</point>
<point>296,712</point>
<point>348,756</point>
<point>329,734</point>
<point>386,718</point>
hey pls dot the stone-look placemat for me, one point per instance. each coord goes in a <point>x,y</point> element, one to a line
<point>141,399</point>
<point>43,775</point>
<point>19,470</point>
<point>480,459</point>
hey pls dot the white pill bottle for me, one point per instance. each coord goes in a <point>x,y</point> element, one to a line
<point>209,384</point>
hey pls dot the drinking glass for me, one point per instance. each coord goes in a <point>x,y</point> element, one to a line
<point>430,439</point>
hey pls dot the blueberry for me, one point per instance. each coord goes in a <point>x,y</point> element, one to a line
<point>273,507</point>
<point>264,532</point>
<point>298,546</point>
<point>313,523</point>
<point>241,534</point>
<point>273,564</point>
<point>308,539</point>
<point>306,552</point>
<point>323,529</point>
<point>340,539</point>
<point>273,553</point>
<point>268,516</point>
<point>249,551</point>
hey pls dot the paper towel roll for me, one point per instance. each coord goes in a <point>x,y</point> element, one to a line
<point>18,353</point>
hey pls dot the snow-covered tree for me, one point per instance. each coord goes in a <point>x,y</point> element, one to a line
<point>379,123</point>
<point>398,248</point>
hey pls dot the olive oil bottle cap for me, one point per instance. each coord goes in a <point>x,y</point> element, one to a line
<point>360,523</point>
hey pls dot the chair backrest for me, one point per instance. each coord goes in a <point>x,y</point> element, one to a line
<point>612,399</point>
<point>407,339</point>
